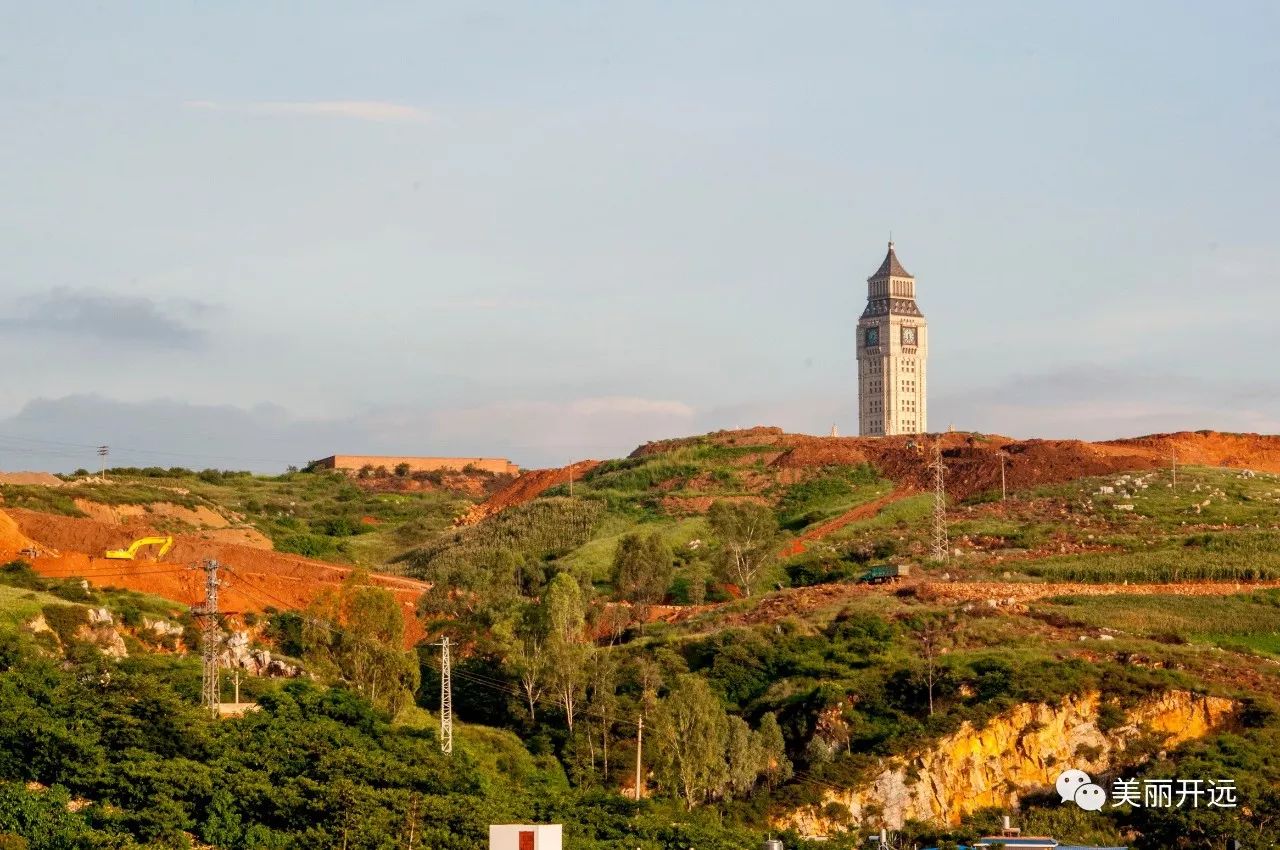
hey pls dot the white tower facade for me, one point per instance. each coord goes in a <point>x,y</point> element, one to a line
<point>893,350</point>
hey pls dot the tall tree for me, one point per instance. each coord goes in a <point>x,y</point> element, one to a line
<point>936,634</point>
<point>567,644</point>
<point>357,634</point>
<point>642,567</point>
<point>603,681</point>
<point>526,656</point>
<point>691,733</point>
<point>777,767</point>
<point>748,535</point>
<point>371,653</point>
<point>744,758</point>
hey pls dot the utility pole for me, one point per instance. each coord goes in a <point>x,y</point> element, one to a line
<point>446,698</point>
<point>940,545</point>
<point>211,637</point>
<point>103,451</point>
<point>1004,492</point>
<point>639,750</point>
<point>570,481</point>
<point>237,683</point>
<point>1175,470</point>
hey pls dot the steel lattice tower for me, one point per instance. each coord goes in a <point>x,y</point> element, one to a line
<point>446,699</point>
<point>210,638</point>
<point>941,546</point>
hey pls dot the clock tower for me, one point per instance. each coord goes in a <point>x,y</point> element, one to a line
<point>892,350</point>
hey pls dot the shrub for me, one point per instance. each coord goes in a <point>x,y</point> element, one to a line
<point>1110,716</point>
<point>307,545</point>
<point>811,571</point>
<point>65,620</point>
<point>339,526</point>
<point>20,574</point>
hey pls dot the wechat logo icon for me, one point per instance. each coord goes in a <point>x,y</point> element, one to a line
<point>1075,786</point>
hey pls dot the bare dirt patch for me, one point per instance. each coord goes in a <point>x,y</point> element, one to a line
<point>526,488</point>
<point>198,517</point>
<point>870,509</point>
<point>12,540</point>
<point>40,479</point>
<point>257,578</point>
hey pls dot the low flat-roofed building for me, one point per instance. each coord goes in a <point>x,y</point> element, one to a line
<point>530,837</point>
<point>354,463</point>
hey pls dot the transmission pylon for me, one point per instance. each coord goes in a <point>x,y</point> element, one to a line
<point>940,546</point>
<point>446,698</point>
<point>1004,489</point>
<point>206,614</point>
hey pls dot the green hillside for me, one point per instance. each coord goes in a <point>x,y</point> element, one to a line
<point>710,586</point>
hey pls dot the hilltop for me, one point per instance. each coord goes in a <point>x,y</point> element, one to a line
<point>1128,614</point>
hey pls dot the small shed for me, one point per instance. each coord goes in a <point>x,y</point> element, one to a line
<point>526,837</point>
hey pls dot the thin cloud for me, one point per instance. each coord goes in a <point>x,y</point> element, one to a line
<point>1092,403</point>
<point>131,319</point>
<point>62,433</point>
<point>379,111</point>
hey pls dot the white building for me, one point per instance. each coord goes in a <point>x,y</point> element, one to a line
<point>893,346</point>
<point>520,837</point>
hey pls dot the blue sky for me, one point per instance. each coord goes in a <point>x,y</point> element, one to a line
<point>247,234</point>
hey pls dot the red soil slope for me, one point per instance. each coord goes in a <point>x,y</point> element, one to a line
<point>256,578</point>
<point>870,509</point>
<point>526,488</point>
<point>972,460</point>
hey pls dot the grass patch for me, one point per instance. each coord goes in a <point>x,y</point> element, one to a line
<point>49,500</point>
<point>905,513</point>
<point>1204,496</point>
<point>19,606</point>
<point>830,493</point>
<point>1164,563</point>
<point>540,530</point>
<point>1249,622</point>
<point>318,514</point>
<point>595,557</point>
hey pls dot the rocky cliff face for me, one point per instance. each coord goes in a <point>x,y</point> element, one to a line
<point>1018,752</point>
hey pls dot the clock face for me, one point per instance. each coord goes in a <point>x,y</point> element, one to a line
<point>908,336</point>
<point>871,337</point>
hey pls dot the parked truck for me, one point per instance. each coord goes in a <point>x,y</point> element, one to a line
<point>886,573</point>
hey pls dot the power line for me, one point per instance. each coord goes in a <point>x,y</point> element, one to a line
<point>507,689</point>
<point>513,690</point>
<point>113,575</point>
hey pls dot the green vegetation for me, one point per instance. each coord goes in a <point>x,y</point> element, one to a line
<point>748,535</point>
<point>831,493</point>
<point>595,557</point>
<point>908,514</point>
<point>1246,622</point>
<point>315,514</point>
<point>752,708</point>
<point>24,594</point>
<point>1166,563</point>
<point>642,568</point>
<point>512,553</point>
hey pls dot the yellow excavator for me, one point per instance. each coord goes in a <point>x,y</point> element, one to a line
<point>165,544</point>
